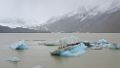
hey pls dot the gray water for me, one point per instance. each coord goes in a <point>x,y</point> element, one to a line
<point>40,55</point>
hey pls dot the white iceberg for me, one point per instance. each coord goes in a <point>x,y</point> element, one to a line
<point>13,59</point>
<point>37,66</point>
<point>69,40</point>
<point>101,43</point>
<point>63,41</point>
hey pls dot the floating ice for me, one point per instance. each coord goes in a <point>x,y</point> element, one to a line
<point>103,41</point>
<point>21,45</point>
<point>71,50</point>
<point>63,41</point>
<point>13,59</point>
<point>114,46</point>
<point>69,40</point>
<point>51,43</point>
<point>37,66</point>
<point>75,51</point>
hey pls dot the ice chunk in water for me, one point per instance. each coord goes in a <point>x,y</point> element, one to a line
<point>13,59</point>
<point>103,41</point>
<point>71,50</point>
<point>37,66</point>
<point>21,45</point>
<point>114,46</point>
<point>75,51</point>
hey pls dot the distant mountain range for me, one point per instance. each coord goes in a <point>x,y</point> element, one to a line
<point>96,18</point>
<point>87,22</point>
<point>91,21</point>
<point>6,29</point>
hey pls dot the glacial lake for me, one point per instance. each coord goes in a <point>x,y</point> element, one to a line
<point>40,55</point>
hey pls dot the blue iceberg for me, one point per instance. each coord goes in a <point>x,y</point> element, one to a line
<point>21,45</point>
<point>71,50</point>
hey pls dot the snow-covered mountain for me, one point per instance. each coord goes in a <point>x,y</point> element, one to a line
<point>103,17</point>
<point>91,9</point>
<point>83,16</point>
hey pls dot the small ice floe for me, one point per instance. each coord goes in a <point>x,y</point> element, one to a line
<point>63,41</point>
<point>21,45</point>
<point>51,43</point>
<point>101,43</point>
<point>114,46</point>
<point>69,40</point>
<point>13,59</point>
<point>97,48</point>
<point>37,66</point>
<point>70,51</point>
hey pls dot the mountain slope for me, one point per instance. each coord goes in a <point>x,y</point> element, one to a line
<point>109,23</point>
<point>102,22</point>
<point>90,17</point>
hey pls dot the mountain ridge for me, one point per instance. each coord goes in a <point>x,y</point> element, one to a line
<point>90,23</point>
<point>6,29</point>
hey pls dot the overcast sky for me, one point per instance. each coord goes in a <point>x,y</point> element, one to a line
<point>39,11</point>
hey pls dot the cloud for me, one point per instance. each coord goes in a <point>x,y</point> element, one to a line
<point>35,12</point>
<point>12,22</point>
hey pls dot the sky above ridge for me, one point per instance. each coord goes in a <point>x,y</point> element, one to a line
<point>35,12</point>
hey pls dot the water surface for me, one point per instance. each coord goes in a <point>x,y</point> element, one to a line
<point>40,55</point>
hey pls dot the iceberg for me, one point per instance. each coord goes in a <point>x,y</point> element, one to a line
<point>71,50</point>
<point>114,46</point>
<point>51,43</point>
<point>69,40</point>
<point>97,48</point>
<point>13,59</point>
<point>63,41</point>
<point>103,41</point>
<point>37,66</point>
<point>21,45</point>
<point>100,43</point>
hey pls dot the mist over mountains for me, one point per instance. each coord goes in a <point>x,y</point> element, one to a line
<point>6,29</point>
<point>107,22</point>
<point>100,23</point>
<point>87,16</point>
<point>11,26</point>
<point>92,21</point>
